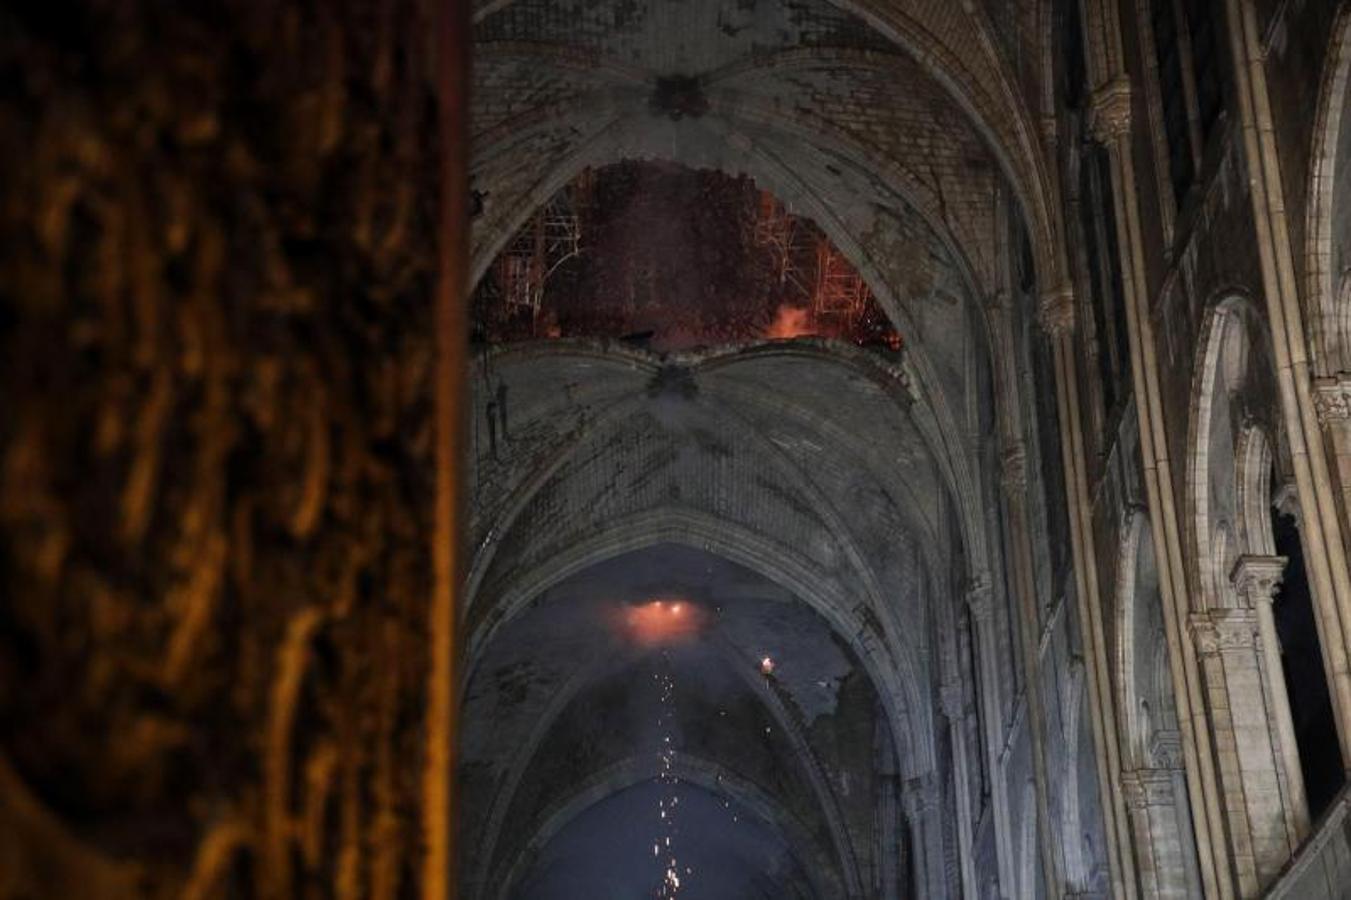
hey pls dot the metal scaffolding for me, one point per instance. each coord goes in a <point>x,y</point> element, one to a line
<point>551,237</point>
<point>840,295</point>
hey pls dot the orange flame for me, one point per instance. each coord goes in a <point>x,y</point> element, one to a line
<point>789,322</point>
<point>662,621</point>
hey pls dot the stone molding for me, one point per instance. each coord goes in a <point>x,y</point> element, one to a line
<point>1055,310</point>
<point>1110,110</point>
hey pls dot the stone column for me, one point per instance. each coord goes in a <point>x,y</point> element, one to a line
<point>1325,556</point>
<point>1111,122</point>
<point>924,817</point>
<point>1151,795</point>
<point>1249,764</point>
<point>980,605</point>
<point>1255,579</point>
<point>1056,313</point>
<point>951,699</point>
<point>1332,403</point>
<point>1013,480</point>
<point>1138,810</point>
<point>890,847</point>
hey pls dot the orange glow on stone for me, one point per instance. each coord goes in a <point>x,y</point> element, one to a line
<point>662,621</point>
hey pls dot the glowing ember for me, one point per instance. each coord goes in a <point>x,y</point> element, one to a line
<point>766,666</point>
<point>665,621</point>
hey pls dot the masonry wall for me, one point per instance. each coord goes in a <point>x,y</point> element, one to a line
<point>1210,257</point>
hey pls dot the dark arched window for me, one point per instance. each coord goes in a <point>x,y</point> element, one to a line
<point>1203,24</point>
<point>1305,679</point>
<point>1074,73</point>
<point>1168,56</point>
<point>1097,211</point>
<point>1189,53</point>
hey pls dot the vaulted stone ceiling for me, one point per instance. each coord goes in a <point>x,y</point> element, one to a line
<point>824,498</point>
<point>922,96</point>
<point>614,461</point>
<point>790,755</point>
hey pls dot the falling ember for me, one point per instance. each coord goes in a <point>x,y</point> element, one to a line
<point>766,666</point>
<point>663,621</point>
<point>670,881</point>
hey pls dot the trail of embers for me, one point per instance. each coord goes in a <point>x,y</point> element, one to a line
<point>664,847</point>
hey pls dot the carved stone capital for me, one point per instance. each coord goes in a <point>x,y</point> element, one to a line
<point>1332,399</point>
<point>1256,578</point>
<point>1218,630</point>
<point>1013,468</point>
<point>1110,110</point>
<point>1055,310</point>
<point>1203,633</point>
<point>980,600</point>
<point>1286,501</point>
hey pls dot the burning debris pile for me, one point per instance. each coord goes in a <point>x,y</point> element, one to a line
<point>673,258</point>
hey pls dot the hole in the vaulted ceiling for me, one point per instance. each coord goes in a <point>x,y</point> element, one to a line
<point>673,258</point>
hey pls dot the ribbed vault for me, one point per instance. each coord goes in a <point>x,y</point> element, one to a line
<point>830,499</point>
<point>574,71</point>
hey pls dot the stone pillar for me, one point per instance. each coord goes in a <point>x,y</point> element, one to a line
<point>1138,810</point>
<point>1013,481</point>
<point>1056,313</point>
<point>1249,763</point>
<point>1255,579</point>
<point>951,699</point>
<point>890,847</point>
<point>980,605</point>
<point>1111,121</point>
<point>1321,531</point>
<point>1151,795</point>
<point>1332,403</point>
<point>924,817</point>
